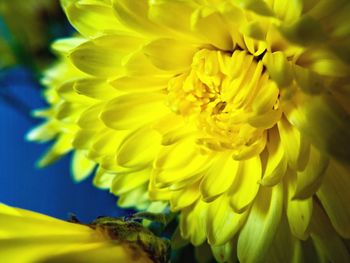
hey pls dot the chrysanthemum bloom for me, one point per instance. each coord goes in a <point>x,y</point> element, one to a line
<point>235,113</point>
<point>27,236</point>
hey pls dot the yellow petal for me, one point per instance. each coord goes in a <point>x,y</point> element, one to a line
<point>193,221</point>
<point>125,182</point>
<point>323,62</point>
<point>253,29</point>
<point>103,179</point>
<point>308,81</point>
<point>298,211</point>
<point>257,6</point>
<point>89,119</point>
<point>95,88</point>
<point>179,162</point>
<point>209,23</point>
<point>39,249</point>
<point>226,252</point>
<point>218,177</point>
<point>182,10</point>
<point>258,232</point>
<point>137,197</point>
<point>334,195</point>
<point>279,68</point>
<point>108,252</point>
<point>291,141</point>
<point>170,54</point>
<point>134,110</point>
<point>67,92</point>
<point>139,148</point>
<point>134,15</point>
<point>287,11</point>
<point>246,184</point>
<point>323,121</point>
<point>92,18</point>
<point>309,180</point>
<point>68,112</point>
<point>139,84</point>
<point>44,132</point>
<point>62,146</point>
<point>184,197</point>
<point>276,165</point>
<point>223,222</point>
<point>103,56</point>
<point>285,247</point>
<point>64,46</point>
<point>138,64</point>
<point>326,239</point>
<point>305,31</point>
<point>83,138</point>
<point>82,167</point>
<point>23,224</point>
<point>106,142</point>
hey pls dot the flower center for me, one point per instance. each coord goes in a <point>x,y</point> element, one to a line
<point>230,98</point>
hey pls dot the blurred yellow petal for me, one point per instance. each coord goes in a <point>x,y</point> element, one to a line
<point>82,167</point>
<point>334,195</point>
<point>323,121</point>
<point>92,18</point>
<point>326,239</point>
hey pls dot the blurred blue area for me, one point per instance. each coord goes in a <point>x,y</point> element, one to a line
<point>50,190</point>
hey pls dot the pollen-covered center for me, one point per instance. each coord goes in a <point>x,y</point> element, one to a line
<point>230,98</point>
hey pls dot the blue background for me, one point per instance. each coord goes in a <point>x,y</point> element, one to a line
<point>50,190</point>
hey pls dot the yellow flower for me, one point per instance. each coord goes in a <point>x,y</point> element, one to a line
<point>27,236</point>
<point>235,113</point>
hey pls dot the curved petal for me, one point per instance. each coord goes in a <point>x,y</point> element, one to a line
<point>125,182</point>
<point>210,24</point>
<point>170,54</point>
<point>258,232</point>
<point>134,15</point>
<point>193,221</point>
<point>276,165</point>
<point>246,184</point>
<point>334,195</point>
<point>325,237</point>
<point>92,18</point>
<point>82,167</point>
<point>299,212</point>
<point>103,56</point>
<point>223,222</point>
<point>219,177</point>
<point>134,110</point>
<point>139,148</point>
<point>310,179</point>
<point>323,121</point>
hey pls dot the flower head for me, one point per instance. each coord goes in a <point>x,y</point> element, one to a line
<point>232,112</point>
<point>27,236</point>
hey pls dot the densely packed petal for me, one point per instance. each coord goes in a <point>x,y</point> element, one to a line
<point>235,113</point>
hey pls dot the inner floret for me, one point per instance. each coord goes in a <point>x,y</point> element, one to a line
<point>231,100</point>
